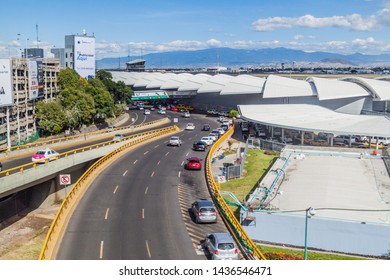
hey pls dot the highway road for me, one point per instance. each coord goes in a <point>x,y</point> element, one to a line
<point>136,117</point>
<point>138,207</point>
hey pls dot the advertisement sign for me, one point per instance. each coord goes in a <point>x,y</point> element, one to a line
<point>5,83</point>
<point>35,78</point>
<point>84,56</point>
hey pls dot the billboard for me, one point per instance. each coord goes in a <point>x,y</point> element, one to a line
<point>6,97</point>
<point>35,78</point>
<point>84,56</point>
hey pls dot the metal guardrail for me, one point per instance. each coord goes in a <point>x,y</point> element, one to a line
<point>70,201</point>
<point>239,233</point>
<point>67,138</point>
<point>23,167</point>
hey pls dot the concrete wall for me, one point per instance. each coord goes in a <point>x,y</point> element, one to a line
<point>331,235</point>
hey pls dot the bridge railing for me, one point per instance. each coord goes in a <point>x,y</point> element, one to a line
<point>101,132</point>
<point>63,214</point>
<point>23,167</point>
<point>239,233</point>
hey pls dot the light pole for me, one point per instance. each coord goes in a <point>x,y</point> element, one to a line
<point>309,211</point>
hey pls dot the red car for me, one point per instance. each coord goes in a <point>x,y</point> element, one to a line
<point>193,163</point>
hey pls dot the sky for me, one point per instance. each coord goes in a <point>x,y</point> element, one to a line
<point>138,27</point>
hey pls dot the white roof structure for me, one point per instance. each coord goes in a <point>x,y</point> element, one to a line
<point>176,81</point>
<point>194,83</point>
<point>379,88</point>
<point>244,84</point>
<point>277,86</point>
<point>335,89</point>
<point>158,79</point>
<point>316,118</point>
<point>215,83</point>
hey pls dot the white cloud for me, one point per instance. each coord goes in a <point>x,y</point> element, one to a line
<point>298,37</point>
<point>355,22</point>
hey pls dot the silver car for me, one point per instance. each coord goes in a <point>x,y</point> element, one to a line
<point>204,211</point>
<point>221,246</point>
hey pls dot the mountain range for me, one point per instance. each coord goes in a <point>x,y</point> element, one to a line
<point>228,57</point>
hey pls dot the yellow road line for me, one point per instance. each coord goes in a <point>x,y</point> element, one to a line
<point>106,216</point>
<point>147,248</point>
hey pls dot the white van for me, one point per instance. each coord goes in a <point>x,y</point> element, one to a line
<point>381,140</point>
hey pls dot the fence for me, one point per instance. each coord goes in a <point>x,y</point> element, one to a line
<point>386,159</point>
<point>245,242</point>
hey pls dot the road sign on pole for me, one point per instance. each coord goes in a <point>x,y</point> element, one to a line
<point>65,179</point>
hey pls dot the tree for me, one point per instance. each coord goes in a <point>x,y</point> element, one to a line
<point>104,104</point>
<point>68,78</point>
<point>50,116</point>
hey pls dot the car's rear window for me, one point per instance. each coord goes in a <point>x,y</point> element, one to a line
<point>225,246</point>
<point>207,210</point>
<point>40,152</point>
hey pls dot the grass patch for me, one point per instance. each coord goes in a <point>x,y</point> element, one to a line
<point>256,165</point>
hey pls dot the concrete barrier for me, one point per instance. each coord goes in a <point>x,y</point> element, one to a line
<point>56,231</point>
<point>239,233</point>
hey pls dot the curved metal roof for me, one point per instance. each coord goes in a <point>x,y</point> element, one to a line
<point>244,84</point>
<point>336,89</point>
<point>277,86</point>
<point>380,89</point>
<point>316,118</point>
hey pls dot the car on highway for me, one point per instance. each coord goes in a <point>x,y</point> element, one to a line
<point>208,140</point>
<point>193,163</point>
<point>162,112</point>
<point>43,155</point>
<point>118,137</point>
<point>204,211</point>
<point>147,112</point>
<point>199,146</point>
<point>190,126</point>
<point>206,127</point>
<point>213,136</point>
<point>1,166</point>
<point>175,141</point>
<point>221,246</point>
<point>186,114</point>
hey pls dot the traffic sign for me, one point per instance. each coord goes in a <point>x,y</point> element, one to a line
<point>65,179</point>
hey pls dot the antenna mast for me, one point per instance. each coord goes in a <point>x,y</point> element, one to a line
<point>36,27</point>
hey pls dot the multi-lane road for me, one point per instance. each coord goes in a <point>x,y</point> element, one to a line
<point>138,207</point>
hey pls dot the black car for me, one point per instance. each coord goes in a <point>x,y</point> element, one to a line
<point>206,127</point>
<point>1,166</point>
<point>199,146</point>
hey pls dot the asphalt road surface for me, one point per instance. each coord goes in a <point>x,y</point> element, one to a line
<point>138,207</point>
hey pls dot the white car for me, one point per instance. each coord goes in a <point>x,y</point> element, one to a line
<point>208,140</point>
<point>147,112</point>
<point>213,136</point>
<point>162,112</point>
<point>175,141</point>
<point>43,155</point>
<point>190,126</point>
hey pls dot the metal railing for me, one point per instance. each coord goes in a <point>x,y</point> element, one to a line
<point>67,138</point>
<point>63,214</point>
<point>239,233</point>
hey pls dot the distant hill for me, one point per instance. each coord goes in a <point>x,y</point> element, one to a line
<point>243,58</point>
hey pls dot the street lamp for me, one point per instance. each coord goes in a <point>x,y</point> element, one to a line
<point>309,211</point>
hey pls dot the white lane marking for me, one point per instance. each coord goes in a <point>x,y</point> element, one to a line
<point>182,163</point>
<point>124,174</point>
<point>143,120</point>
<point>106,216</point>
<point>152,174</point>
<point>101,249</point>
<point>146,152</point>
<point>116,188</point>
<point>135,161</point>
<point>146,191</point>
<point>156,146</point>
<point>158,163</point>
<point>143,213</point>
<point>147,248</point>
<point>187,154</point>
<point>167,154</point>
<point>179,173</point>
